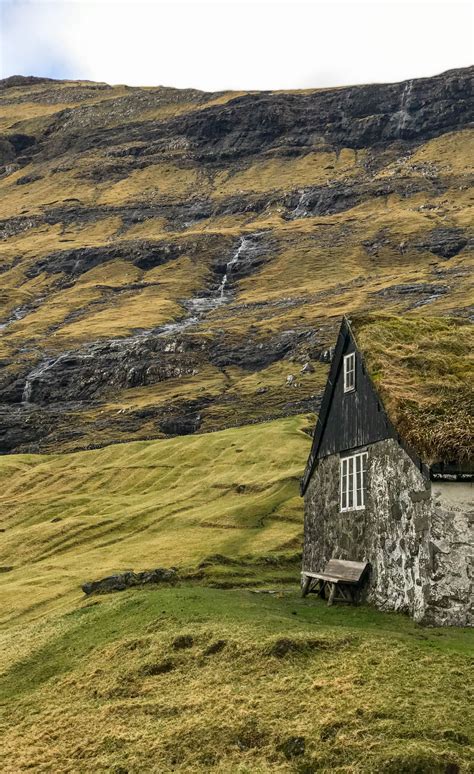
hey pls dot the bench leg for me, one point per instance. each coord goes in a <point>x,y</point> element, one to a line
<point>305,586</point>
<point>332,594</point>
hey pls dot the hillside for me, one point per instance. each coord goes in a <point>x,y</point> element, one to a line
<point>168,258</point>
<point>214,673</point>
<point>181,501</point>
<point>173,263</point>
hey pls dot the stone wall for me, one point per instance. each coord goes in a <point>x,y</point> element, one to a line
<point>415,536</point>
<point>452,553</point>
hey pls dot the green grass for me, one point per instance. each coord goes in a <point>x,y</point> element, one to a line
<point>108,690</point>
<point>72,518</point>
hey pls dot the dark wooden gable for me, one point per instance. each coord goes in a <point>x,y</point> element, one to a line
<point>347,420</point>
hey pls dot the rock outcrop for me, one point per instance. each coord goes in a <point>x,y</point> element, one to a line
<point>127,580</point>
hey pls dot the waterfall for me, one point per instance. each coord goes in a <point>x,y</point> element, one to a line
<point>221,288</point>
<point>300,210</point>
<point>403,114</point>
<point>37,372</point>
<point>197,307</point>
<point>230,264</point>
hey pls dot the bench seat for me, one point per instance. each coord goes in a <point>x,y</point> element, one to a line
<point>341,575</point>
<point>330,578</point>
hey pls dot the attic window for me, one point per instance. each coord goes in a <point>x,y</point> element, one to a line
<point>353,482</point>
<point>349,372</point>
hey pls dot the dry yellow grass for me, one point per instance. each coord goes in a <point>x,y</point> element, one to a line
<point>152,182</point>
<point>277,173</point>
<point>424,369</point>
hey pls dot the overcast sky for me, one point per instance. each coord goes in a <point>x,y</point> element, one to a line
<point>229,45</point>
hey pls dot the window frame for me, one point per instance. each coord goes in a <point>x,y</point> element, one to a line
<point>349,372</point>
<point>353,482</point>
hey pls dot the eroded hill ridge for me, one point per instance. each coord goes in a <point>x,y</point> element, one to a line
<point>175,261</point>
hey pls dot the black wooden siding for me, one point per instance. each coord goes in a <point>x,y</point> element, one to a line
<point>354,418</point>
<point>349,420</point>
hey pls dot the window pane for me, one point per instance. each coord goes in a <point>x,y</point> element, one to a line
<point>359,498</point>
<point>349,371</point>
<point>343,484</point>
<point>351,482</point>
<point>364,477</point>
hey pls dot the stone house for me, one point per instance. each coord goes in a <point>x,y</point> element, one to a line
<point>372,494</point>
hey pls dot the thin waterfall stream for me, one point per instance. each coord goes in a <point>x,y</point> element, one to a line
<point>196,307</point>
<point>403,114</point>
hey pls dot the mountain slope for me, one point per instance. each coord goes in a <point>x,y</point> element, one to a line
<point>170,257</point>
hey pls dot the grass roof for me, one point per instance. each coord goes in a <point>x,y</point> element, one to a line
<point>423,368</point>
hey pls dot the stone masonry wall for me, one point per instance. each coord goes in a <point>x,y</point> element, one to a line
<point>452,554</point>
<point>415,541</point>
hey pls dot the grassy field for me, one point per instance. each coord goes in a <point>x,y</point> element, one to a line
<point>214,673</point>
<point>198,679</point>
<point>71,518</point>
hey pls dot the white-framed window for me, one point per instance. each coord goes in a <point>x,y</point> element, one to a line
<point>349,372</point>
<point>353,481</point>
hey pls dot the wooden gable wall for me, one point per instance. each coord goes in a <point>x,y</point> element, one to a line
<point>347,420</point>
<point>354,418</point>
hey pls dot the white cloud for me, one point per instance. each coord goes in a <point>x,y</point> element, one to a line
<point>246,45</point>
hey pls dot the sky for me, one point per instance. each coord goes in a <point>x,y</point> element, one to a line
<point>227,45</point>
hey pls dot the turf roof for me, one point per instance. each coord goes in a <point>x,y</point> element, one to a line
<point>423,368</point>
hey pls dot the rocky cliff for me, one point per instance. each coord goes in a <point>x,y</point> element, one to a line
<point>174,261</point>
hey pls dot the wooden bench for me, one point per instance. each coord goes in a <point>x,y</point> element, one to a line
<point>341,579</point>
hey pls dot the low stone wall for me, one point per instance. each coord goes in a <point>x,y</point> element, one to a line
<point>414,537</point>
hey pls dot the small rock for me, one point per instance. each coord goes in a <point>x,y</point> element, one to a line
<point>307,368</point>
